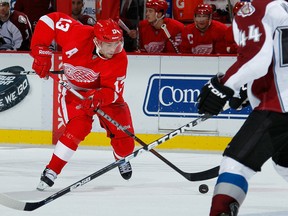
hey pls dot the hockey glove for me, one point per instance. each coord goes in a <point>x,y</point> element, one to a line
<point>240,102</point>
<point>213,97</point>
<point>91,103</point>
<point>42,60</point>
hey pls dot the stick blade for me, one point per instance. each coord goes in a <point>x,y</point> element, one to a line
<point>20,205</point>
<point>12,203</point>
<point>204,175</point>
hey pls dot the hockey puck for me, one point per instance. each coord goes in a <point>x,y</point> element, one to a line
<point>203,188</point>
<point>13,89</point>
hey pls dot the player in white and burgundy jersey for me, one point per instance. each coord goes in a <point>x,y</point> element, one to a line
<point>204,36</point>
<point>152,37</point>
<point>15,29</point>
<point>101,76</point>
<point>260,30</point>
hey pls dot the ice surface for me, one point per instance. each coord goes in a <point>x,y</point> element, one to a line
<point>154,189</point>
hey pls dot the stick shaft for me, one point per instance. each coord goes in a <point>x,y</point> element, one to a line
<point>188,176</point>
<point>16,73</point>
<point>168,35</point>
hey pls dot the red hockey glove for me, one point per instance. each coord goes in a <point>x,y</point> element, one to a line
<point>240,102</point>
<point>213,97</point>
<point>91,103</point>
<point>42,60</point>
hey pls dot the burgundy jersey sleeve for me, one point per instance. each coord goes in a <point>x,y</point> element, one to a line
<point>34,9</point>
<point>259,28</point>
<point>251,35</point>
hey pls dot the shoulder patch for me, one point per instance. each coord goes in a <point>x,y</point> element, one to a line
<point>246,10</point>
<point>22,19</point>
<point>91,21</point>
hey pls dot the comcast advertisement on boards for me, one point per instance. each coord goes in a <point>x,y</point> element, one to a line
<point>175,95</point>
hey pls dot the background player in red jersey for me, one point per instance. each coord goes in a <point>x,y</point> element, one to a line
<point>259,29</point>
<point>100,77</point>
<point>204,36</point>
<point>151,35</point>
<point>77,6</point>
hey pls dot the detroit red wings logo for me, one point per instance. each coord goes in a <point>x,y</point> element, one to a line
<point>203,49</point>
<point>80,74</point>
<point>154,47</point>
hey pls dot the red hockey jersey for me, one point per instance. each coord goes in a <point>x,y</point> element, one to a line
<point>83,70</point>
<point>155,40</point>
<point>212,41</point>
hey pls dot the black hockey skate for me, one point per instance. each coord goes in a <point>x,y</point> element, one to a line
<point>125,170</point>
<point>47,179</point>
<point>234,208</point>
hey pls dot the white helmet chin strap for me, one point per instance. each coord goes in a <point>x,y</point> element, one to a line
<point>158,19</point>
<point>98,48</point>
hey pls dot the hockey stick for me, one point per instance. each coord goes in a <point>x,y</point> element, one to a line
<point>212,173</point>
<point>200,176</point>
<point>168,35</point>
<point>205,175</point>
<point>127,29</point>
<point>123,26</point>
<point>16,73</point>
<point>30,206</point>
<point>230,10</point>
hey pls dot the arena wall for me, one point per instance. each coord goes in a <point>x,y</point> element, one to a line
<point>161,91</point>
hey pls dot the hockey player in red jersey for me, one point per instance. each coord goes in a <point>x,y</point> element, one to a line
<point>204,36</point>
<point>98,76</point>
<point>259,29</point>
<point>152,37</point>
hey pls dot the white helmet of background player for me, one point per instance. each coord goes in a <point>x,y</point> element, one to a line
<point>108,38</point>
<point>156,6</point>
<point>203,16</point>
